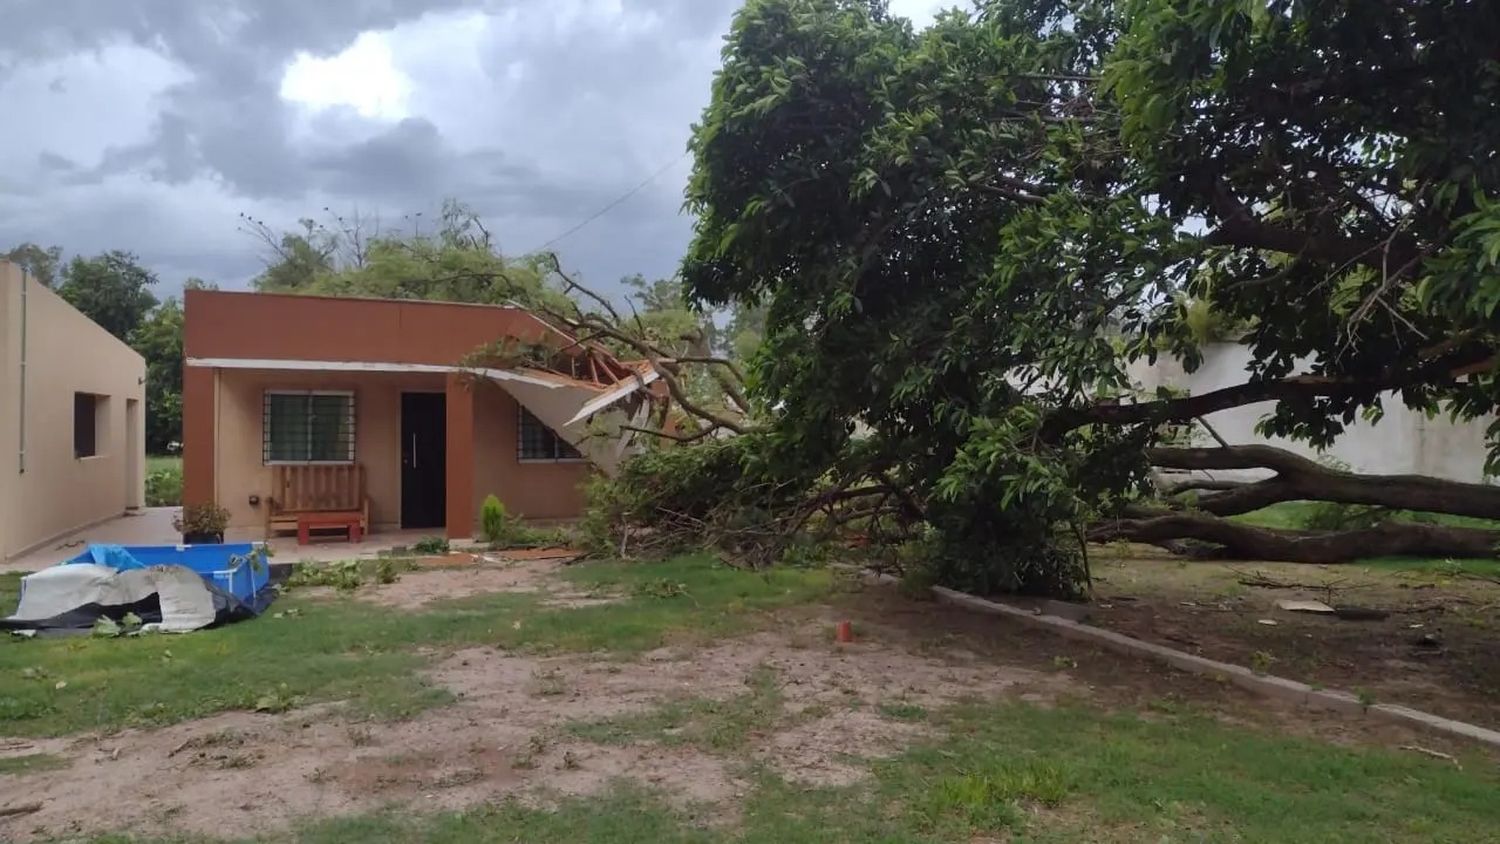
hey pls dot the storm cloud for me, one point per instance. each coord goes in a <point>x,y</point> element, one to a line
<point>151,125</point>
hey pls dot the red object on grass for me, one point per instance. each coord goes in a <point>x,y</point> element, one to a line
<point>844,632</point>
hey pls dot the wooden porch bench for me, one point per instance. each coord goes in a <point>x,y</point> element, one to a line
<point>305,497</point>
<point>309,522</point>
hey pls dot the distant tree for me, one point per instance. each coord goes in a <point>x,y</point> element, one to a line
<point>40,264</point>
<point>159,340</point>
<point>112,289</point>
<point>746,329</point>
<point>297,259</point>
<point>457,262</point>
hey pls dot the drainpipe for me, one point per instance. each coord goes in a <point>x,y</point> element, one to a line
<point>25,281</point>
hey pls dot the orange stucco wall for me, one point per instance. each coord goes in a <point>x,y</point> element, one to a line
<point>532,490</point>
<point>222,407</point>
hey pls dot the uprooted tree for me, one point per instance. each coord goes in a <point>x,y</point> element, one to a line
<point>961,237</point>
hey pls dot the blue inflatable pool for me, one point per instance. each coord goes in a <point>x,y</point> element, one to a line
<point>241,570</point>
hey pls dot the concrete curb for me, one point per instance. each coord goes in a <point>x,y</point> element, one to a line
<point>1278,688</point>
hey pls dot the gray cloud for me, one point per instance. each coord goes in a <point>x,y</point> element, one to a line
<point>151,124</point>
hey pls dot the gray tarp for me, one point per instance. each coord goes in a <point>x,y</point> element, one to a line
<point>187,601</point>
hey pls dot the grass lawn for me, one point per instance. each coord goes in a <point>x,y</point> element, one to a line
<point>347,650</point>
<point>159,462</point>
<point>1058,775</point>
<point>995,769</point>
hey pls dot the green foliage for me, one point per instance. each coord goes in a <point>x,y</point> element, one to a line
<point>164,486</point>
<point>494,521</point>
<point>658,485</point>
<point>457,261</point>
<point>718,493</point>
<point>431,545</point>
<point>158,338</point>
<point>201,518</point>
<point>964,236</point>
<point>38,262</point>
<point>112,289</point>
<point>345,575</point>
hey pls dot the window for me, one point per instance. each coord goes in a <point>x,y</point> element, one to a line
<point>86,407</point>
<point>538,442</point>
<point>308,427</point>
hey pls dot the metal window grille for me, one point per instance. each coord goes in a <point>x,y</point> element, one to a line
<point>538,442</point>
<point>307,427</point>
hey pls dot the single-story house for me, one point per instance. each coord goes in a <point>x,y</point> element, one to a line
<point>428,407</point>
<point>72,433</point>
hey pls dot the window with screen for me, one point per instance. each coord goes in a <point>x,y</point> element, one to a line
<point>85,425</point>
<point>538,442</point>
<point>308,427</point>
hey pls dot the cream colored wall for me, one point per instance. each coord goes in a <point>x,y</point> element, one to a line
<point>66,353</point>
<point>239,472</point>
<point>531,490</point>
<point>1403,442</point>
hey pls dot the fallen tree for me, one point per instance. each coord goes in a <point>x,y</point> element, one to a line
<point>1235,540</point>
<point>1300,479</point>
<point>964,236</point>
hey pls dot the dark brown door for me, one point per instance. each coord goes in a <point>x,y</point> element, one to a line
<point>424,460</point>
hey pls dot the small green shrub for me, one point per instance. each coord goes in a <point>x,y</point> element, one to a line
<point>431,545</point>
<point>201,519</point>
<point>494,521</point>
<point>164,487</point>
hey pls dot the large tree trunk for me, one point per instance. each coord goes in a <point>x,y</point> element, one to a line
<point>1243,541</point>
<point>1201,519</point>
<point>1298,479</point>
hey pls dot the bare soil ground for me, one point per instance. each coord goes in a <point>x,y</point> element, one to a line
<point>1437,649</point>
<point>508,733</point>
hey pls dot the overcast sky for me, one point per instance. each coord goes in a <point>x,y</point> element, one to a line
<point>150,125</point>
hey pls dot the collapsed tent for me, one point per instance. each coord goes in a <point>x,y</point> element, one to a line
<point>171,597</point>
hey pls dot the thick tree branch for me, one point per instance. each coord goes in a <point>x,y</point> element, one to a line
<point>1301,479</point>
<point>1254,543</point>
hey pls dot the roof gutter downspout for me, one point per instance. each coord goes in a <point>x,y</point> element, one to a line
<point>25,282</point>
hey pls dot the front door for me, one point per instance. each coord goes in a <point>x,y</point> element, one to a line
<point>424,460</point>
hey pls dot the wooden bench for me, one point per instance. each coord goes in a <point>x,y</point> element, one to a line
<point>314,496</point>
<point>309,522</point>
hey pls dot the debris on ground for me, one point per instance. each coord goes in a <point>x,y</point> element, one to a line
<point>1304,606</point>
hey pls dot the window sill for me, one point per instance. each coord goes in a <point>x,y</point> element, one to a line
<point>307,463</point>
<point>87,458</point>
<point>528,460</point>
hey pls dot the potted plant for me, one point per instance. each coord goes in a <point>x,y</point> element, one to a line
<point>201,524</point>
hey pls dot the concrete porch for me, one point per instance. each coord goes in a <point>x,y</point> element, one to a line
<point>153,526</point>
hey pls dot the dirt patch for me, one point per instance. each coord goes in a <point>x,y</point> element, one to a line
<point>837,707</point>
<point>483,577</point>
<point>1437,650</point>
<point>831,751</point>
<point>447,561</point>
<point>506,736</point>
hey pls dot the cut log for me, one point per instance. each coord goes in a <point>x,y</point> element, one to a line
<point>1254,543</point>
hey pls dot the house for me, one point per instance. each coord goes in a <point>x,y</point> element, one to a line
<point>72,399</point>
<point>428,406</point>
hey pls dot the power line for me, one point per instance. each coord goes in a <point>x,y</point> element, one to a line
<point>610,207</point>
